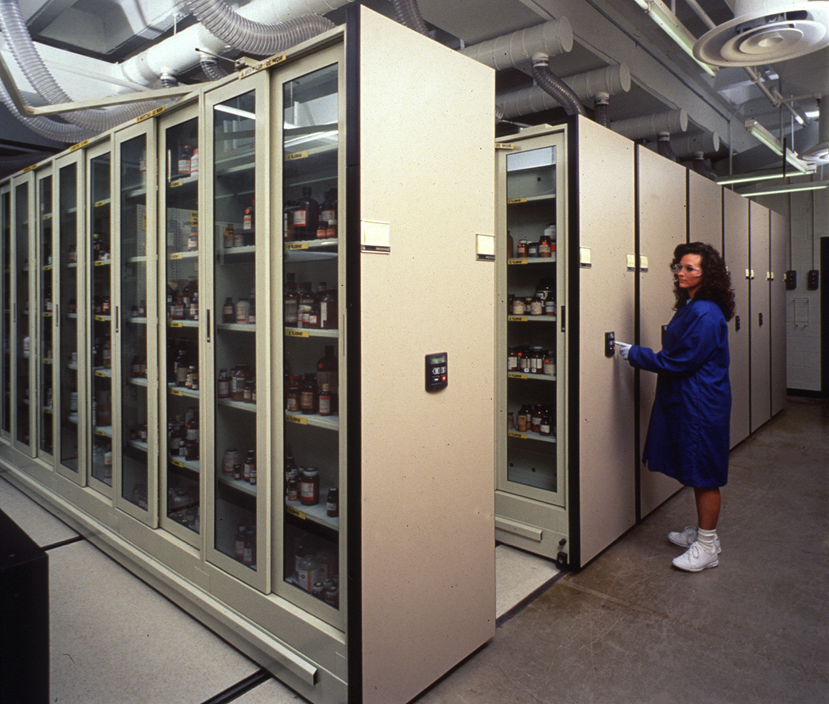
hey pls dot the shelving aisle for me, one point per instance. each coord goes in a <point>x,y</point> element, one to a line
<point>627,628</point>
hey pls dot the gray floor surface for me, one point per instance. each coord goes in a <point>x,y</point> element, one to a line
<point>627,628</point>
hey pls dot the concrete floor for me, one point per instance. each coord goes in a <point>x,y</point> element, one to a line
<point>627,628</point>
<point>631,628</point>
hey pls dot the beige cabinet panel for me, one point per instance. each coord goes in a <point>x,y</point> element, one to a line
<point>760,320</point>
<point>777,304</point>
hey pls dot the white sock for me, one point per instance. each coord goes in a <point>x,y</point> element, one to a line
<point>706,538</point>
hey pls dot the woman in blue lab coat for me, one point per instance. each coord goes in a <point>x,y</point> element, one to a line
<point>688,435</point>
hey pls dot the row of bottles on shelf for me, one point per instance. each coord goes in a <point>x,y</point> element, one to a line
<point>242,312</point>
<point>315,393</point>
<point>233,467</point>
<point>543,302</point>
<point>187,164</point>
<point>305,309</point>
<point>244,544</point>
<point>315,569</point>
<point>183,505</point>
<point>535,418</point>
<point>545,246</point>
<point>238,385</point>
<point>531,359</point>
<point>246,235</point>
<point>100,249</point>
<point>183,436</point>
<point>306,219</point>
<point>183,304</point>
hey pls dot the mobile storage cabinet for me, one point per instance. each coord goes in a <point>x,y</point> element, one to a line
<point>248,346</point>
<point>565,483</point>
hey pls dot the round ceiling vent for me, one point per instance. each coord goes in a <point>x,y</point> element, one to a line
<point>819,154</point>
<point>764,32</point>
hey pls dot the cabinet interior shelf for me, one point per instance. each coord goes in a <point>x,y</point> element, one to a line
<point>137,381</point>
<point>317,513</point>
<point>316,420</point>
<point>137,320</point>
<point>103,430</point>
<point>531,318</point>
<point>189,254</point>
<point>532,199</point>
<point>183,323</point>
<point>236,253</point>
<point>531,436</point>
<point>237,484</point>
<point>102,372</point>
<point>310,332</point>
<point>103,262</point>
<point>180,462</point>
<point>139,445</point>
<point>242,405</point>
<point>521,261</point>
<point>238,327</point>
<point>182,391</point>
<point>532,377</point>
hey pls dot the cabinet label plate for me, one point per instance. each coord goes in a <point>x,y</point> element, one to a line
<point>296,245</point>
<point>296,155</point>
<point>290,332</point>
<point>513,201</point>
<point>517,318</point>
<point>299,420</point>
<point>177,463</point>
<point>295,512</point>
<point>177,392</point>
<point>100,373</point>
<point>520,436</point>
<point>514,375</point>
<point>516,262</point>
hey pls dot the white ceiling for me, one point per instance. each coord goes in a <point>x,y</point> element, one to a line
<point>83,39</point>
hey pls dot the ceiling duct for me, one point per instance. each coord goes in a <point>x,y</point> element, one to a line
<point>526,101</point>
<point>650,126</point>
<point>819,154</point>
<point>517,49</point>
<point>766,31</point>
<point>689,145</point>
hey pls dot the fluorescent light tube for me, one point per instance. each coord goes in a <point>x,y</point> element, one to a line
<point>763,135</point>
<point>787,188</point>
<point>730,180</point>
<point>676,31</point>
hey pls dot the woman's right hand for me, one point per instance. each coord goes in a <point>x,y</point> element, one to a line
<point>624,348</point>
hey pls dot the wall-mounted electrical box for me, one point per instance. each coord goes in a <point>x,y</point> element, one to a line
<point>813,280</point>
<point>791,280</point>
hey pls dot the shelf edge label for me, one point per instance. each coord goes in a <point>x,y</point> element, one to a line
<point>513,434</point>
<point>514,375</point>
<point>177,392</point>
<point>295,512</point>
<point>148,115</point>
<point>517,318</point>
<point>296,245</point>
<point>296,156</point>
<point>290,332</point>
<point>299,420</point>
<point>516,262</point>
<point>513,201</point>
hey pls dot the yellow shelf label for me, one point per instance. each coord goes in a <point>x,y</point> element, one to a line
<point>296,155</point>
<point>289,332</point>
<point>295,512</point>
<point>512,201</point>
<point>504,145</point>
<point>176,324</point>
<point>148,115</point>
<point>48,267</point>
<point>47,361</point>
<point>101,318</point>
<point>100,373</point>
<point>299,420</point>
<point>79,145</point>
<point>296,245</point>
<point>520,436</point>
<point>517,318</point>
<point>47,315</point>
<point>48,216</point>
<point>29,168</point>
<point>100,432</point>
<point>176,184</point>
<point>516,262</point>
<point>177,392</point>
<point>177,255</point>
<point>99,203</point>
<point>194,218</point>
<point>177,463</point>
<point>513,375</point>
<point>102,262</point>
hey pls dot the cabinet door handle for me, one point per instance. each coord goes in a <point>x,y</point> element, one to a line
<point>116,320</point>
<point>208,325</point>
<point>563,319</point>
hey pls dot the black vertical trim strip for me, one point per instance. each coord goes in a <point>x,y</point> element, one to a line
<point>687,206</point>
<point>353,350</point>
<point>573,361</point>
<point>824,313</point>
<point>637,326</point>
<point>751,340</point>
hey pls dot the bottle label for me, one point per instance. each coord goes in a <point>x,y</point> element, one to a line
<point>328,215</point>
<point>306,490</point>
<point>306,400</point>
<point>184,167</point>
<point>246,222</point>
<point>241,313</point>
<point>325,405</point>
<point>224,388</point>
<point>300,218</point>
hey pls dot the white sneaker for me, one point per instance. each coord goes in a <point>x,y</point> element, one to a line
<point>687,537</point>
<point>696,559</point>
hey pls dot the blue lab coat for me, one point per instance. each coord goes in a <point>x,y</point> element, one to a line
<point>688,435</point>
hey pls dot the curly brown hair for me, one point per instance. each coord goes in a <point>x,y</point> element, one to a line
<point>716,281</point>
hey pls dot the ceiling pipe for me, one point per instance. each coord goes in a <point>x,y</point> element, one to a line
<point>649,126</point>
<point>819,153</point>
<point>517,49</point>
<point>688,145</point>
<point>408,14</point>
<point>663,146</point>
<point>525,101</point>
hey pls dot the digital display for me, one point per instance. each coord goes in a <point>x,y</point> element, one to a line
<point>437,359</point>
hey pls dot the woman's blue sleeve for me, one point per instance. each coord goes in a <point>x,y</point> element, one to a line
<point>695,341</point>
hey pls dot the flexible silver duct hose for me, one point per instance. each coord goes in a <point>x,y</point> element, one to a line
<point>553,85</point>
<point>17,37</point>
<point>210,67</point>
<point>663,146</point>
<point>408,14</point>
<point>600,103</point>
<point>699,165</point>
<point>44,126</point>
<point>255,37</point>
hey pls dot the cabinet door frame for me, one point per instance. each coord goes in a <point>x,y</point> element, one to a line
<point>77,160</point>
<point>261,577</point>
<point>42,273</point>
<point>28,179</point>
<point>558,498</point>
<point>6,306</point>
<point>297,66</point>
<point>182,114</point>
<point>85,347</point>
<point>146,128</point>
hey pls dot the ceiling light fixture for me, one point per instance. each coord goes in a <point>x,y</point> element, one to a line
<point>731,180</point>
<point>787,188</point>
<point>763,135</point>
<point>669,24</point>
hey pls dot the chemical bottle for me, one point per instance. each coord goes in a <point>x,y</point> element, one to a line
<point>306,216</point>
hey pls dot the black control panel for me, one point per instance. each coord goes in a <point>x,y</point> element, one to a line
<point>436,371</point>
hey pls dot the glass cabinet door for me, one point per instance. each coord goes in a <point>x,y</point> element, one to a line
<point>45,319</point>
<point>534,345</point>
<point>66,307</point>
<point>136,436</point>
<point>311,351</point>
<point>5,292</point>
<point>99,257</point>
<point>179,162</point>
<point>241,251</point>
<point>23,214</point>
